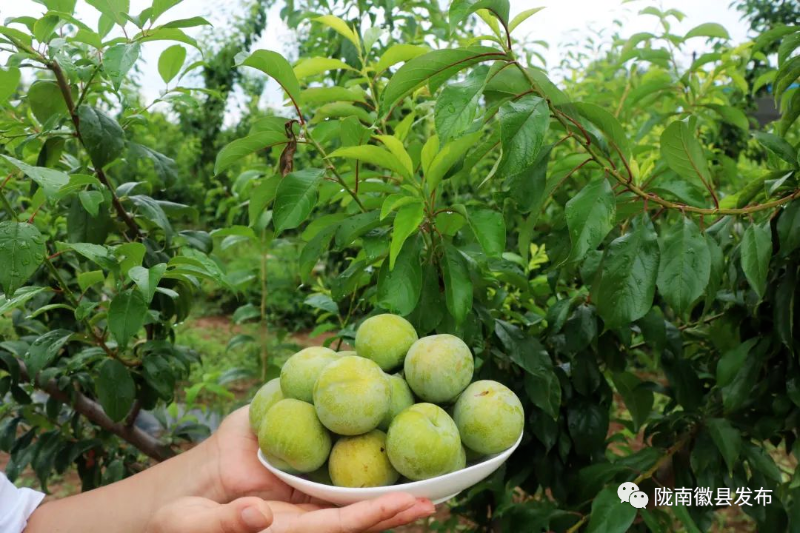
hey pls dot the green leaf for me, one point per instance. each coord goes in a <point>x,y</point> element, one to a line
<point>731,115</point>
<point>685,266</point>
<point>118,61</point>
<point>777,145</point>
<point>161,6</point>
<point>322,302</point>
<point>541,383</point>
<point>340,27</point>
<point>261,196</point>
<point>91,201</point>
<point>528,187</point>
<point>675,187</point>
<point>46,100</point>
<point>275,66</point>
<point>789,44</point>
<point>355,226</point>
<point>171,61</point>
<point>22,250</point>
<point>638,399</point>
<point>162,33</point>
<point>126,315</point>
<point>240,148</point>
<point>295,198</point>
<point>627,282</point>
<point>590,216</point>
<point>146,279</point>
<point>45,349</point>
<point>102,136</point>
<point>343,110</point>
<point>683,152</point>
<point>457,283</point>
<point>784,308</point>
<point>314,250</point>
<point>709,29</point>
<point>88,279</point>
<point>787,75</point>
<point>399,288</point>
<point>399,53</point>
<point>756,251</point>
<point>587,423</point>
<point>19,298</point>
<point>789,228</point>
<point>523,126</point>
<point>682,513</point>
<point>324,95</point>
<point>114,9</point>
<point>429,151</point>
<point>435,68</point>
<point>374,155</point>
<point>83,227</point>
<point>9,81</point>
<point>151,210</point>
<point>522,16</point>
<point>457,105</point>
<point>115,388</point>
<point>430,308</point>
<point>461,9</point>
<point>731,362</point>
<point>44,27</point>
<point>312,66</point>
<point>397,149</point>
<point>93,252</point>
<point>489,228</point>
<point>609,515</point>
<point>406,223</point>
<point>50,180</point>
<point>447,156</point>
<point>607,124</point>
<point>758,459</point>
<point>727,438</point>
<point>192,22</point>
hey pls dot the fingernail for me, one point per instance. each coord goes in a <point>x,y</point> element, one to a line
<point>254,518</point>
<point>428,505</point>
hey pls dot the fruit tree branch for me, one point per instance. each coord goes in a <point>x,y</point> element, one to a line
<point>93,412</point>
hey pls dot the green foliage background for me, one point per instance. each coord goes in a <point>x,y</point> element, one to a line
<point>620,247</point>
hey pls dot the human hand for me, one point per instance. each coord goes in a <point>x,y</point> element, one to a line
<point>235,470</point>
<point>252,515</point>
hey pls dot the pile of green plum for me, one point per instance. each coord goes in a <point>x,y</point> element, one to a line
<point>351,410</point>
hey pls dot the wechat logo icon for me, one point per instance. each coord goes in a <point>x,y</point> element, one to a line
<point>630,493</point>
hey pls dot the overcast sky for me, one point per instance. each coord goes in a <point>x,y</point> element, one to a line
<point>560,22</point>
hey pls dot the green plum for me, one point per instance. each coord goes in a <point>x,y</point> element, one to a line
<point>460,460</point>
<point>438,368</point>
<point>385,339</point>
<point>361,461</point>
<point>352,396</point>
<point>489,417</point>
<point>266,397</point>
<point>292,434</point>
<point>401,397</point>
<point>300,371</point>
<point>423,441</point>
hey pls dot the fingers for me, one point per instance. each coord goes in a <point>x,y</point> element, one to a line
<point>358,517</point>
<point>245,515</point>
<point>422,509</point>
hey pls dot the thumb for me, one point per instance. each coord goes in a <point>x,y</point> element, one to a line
<point>245,515</point>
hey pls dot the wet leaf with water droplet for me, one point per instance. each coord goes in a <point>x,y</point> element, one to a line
<point>23,252</point>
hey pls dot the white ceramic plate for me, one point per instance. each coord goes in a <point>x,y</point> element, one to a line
<point>438,489</point>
